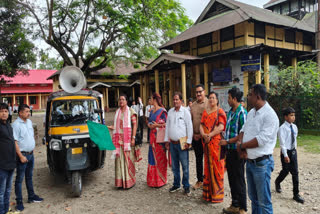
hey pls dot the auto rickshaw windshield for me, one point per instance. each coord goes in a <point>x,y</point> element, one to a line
<point>73,112</point>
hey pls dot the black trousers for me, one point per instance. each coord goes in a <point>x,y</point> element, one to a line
<point>291,167</point>
<point>237,183</point>
<point>140,127</point>
<point>198,151</point>
<point>9,120</point>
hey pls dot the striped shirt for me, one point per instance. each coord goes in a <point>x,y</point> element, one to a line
<point>235,121</point>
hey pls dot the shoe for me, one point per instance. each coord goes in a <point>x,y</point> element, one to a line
<point>198,185</point>
<point>242,211</point>
<point>298,199</point>
<point>187,191</point>
<point>35,198</point>
<point>278,187</point>
<point>19,206</point>
<point>231,210</point>
<point>174,188</point>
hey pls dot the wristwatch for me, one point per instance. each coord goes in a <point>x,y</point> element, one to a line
<point>134,137</point>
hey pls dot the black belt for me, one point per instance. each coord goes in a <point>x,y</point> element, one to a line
<point>27,153</point>
<point>259,159</point>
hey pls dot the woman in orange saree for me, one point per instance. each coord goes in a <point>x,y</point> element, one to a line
<point>213,122</point>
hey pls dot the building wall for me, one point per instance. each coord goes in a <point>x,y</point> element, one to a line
<point>244,34</point>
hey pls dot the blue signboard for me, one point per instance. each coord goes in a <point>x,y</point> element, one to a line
<point>250,62</point>
<point>222,75</point>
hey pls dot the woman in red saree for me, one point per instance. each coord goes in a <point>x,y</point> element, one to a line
<point>157,158</point>
<point>213,122</point>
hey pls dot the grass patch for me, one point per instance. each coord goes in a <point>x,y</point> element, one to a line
<point>310,143</point>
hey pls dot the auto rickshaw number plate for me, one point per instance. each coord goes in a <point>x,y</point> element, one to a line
<point>77,150</point>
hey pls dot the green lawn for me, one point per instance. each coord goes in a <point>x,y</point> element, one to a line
<point>310,143</point>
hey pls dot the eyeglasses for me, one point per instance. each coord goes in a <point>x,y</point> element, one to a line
<point>199,92</point>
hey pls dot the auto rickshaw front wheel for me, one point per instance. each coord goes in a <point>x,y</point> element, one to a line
<point>76,183</point>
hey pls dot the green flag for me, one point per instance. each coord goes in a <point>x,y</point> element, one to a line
<point>100,135</point>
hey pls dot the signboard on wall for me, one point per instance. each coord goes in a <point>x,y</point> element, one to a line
<point>250,62</point>
<point>222,74</point>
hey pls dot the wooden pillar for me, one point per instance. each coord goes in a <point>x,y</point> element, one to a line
<point>14,99</point>
<point>164,93</point>
<point>156,80</point>
<point>27,99</point>
<point>145,88</point>
<point>245,83</point>
<point>258,77</point>
<point>118,92</point>
<point>183,81</point>
<point>141,88</point>
<point>39,100</point>
<point>294,62</point>
<point>206,78</point>
<point>106,97</point>
<point>133,94</point>
<point>171,86</point>
<point>197,74</point>
<point>266,71</point>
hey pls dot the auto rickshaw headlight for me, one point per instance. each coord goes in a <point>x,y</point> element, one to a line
<point>85,145</point>
<point>55,145</point>
<point>67,146</point>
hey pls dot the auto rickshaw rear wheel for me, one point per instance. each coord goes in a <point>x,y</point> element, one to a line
<point>76,183</point>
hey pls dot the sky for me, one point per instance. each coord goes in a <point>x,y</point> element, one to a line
<point>195,7</point>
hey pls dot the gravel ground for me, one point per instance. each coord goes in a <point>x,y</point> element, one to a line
<point>100,196</point>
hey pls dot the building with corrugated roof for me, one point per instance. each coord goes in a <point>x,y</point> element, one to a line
<point>230,44</point>
<point>31,88</point>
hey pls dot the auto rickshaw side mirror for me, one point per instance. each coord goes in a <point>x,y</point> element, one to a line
<point>44,140</point>
<point>98,111</point>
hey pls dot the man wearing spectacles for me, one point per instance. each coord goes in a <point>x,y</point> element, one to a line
<point>197,109</point>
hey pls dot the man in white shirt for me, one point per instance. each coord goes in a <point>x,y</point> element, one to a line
<point>178,125</point>
<point>10,113</point>
<point>77,109</point>
<point>140,118</point>
<point>147,115</point>
<point>257,140</point>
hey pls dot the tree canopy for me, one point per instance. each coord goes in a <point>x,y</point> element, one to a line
<point>92,33</point>
<point>16,51</point>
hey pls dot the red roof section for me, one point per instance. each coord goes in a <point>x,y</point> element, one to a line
<point>34,77</point>
<point>15,91</point>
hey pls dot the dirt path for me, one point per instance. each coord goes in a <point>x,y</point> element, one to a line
<point>100,196</point>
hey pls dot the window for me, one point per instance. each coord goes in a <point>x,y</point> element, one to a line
<point>204,40</point>
<point>33,100</point>
<point>227,34</point>
<point>290,36</point>
<point>259,30</point>
<point>285,8</point>
<point>184,46</point>
<point>308,38</point>
<point>294,6</point>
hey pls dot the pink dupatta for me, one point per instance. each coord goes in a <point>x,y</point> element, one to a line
<point>116,137</point>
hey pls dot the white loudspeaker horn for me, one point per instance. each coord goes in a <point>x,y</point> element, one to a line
<point>72,80</point>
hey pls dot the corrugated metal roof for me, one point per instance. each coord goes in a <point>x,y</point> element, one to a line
<point>178,58</point>
<point>243,13</point>
<point>33,77</point>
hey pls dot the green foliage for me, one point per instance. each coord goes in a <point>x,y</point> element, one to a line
<point>95,32</point>
<point>123,76</point>
<point>16,51</point>
<point>48,63</point>
<point>311,143</point>
<point>302,81</point>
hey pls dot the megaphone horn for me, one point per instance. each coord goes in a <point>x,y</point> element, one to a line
<point>71,79</point>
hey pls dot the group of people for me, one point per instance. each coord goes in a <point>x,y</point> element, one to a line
<point>238,142</point>
<point>16,152</point>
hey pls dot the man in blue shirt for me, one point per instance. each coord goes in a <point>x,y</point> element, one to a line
<point>7,158</point>
<point>235,166</point>
<point>25,144</point>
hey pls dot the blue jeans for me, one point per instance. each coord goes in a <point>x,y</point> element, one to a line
<point>5,189</point>
<point>258,180</point>
<point>177,156</point>
<point>24,169</point>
